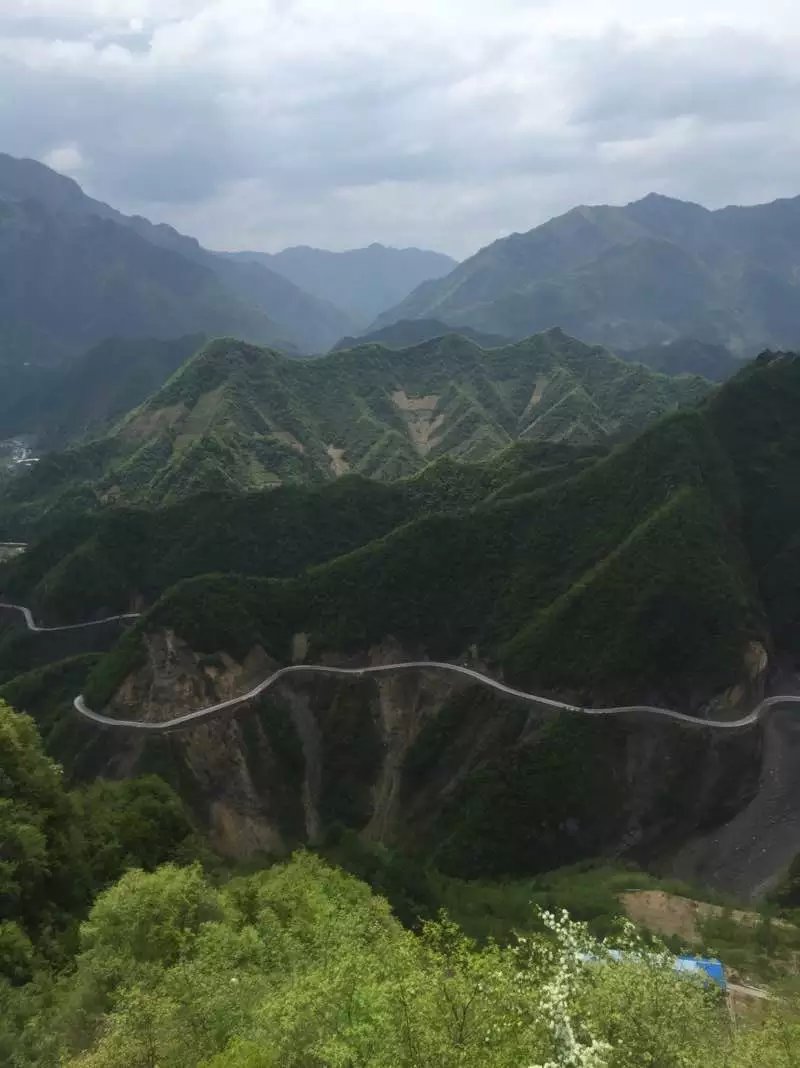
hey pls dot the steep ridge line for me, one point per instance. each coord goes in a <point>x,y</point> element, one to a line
<point>200,714</point>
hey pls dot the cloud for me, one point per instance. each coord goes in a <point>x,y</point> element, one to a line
<point>261,123</point>
<point>68,159</point>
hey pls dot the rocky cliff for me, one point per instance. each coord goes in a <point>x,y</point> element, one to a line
<point>441,767</point>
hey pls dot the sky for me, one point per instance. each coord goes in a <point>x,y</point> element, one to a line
<point>439,123</point>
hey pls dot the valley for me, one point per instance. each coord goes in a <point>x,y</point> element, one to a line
<point>444,600</point>
<point>237,418</point>
<point>370,600</point>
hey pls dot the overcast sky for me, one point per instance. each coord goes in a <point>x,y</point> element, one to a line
<point>440,123</point>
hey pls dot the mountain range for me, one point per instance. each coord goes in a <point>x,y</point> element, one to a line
<point>662,570</point>
<point>633,276</point>
<point>578,524</point>
<point>240,418</point>
<point>56,406</point>
<point>407,332</point>
<point>362,282</point>
<point>74,271</point>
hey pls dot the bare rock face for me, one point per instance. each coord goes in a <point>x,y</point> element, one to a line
<point>427,761</point>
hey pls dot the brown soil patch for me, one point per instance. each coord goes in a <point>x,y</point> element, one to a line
<point>339,465</point>
<point>669,914</point>
<point>421,422</point>
<point>401,400</point>
<point>147,424</point>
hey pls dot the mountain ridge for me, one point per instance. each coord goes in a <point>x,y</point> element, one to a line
<point>583,270</point>
<point>363,281</point>
<point>135,272</point>
<point>236,417</point>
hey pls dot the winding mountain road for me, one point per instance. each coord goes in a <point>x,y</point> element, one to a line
<point>30,623</point>
<point>189,719</point>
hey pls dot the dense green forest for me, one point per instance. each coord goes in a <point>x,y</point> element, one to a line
<point>56,406</point>
<point>674,537</point>
<point>118,556</point>
<point>649,272</point>
<point>503,576</point>
<point>236,418</point>
<point>125,940</point>
<point>517,563</point>
<point>124,943</point>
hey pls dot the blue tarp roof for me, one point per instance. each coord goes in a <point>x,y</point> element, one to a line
<point>712,968</point>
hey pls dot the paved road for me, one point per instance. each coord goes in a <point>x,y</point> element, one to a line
<point>191,718</point>
<point>30,623</point>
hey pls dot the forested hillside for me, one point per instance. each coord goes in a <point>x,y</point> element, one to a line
<point>122,556</point>
<point>238,418</point>
<point>56,406</point>
<point>643,573</point>
<point>407,332</point>
<point>111,957</point>
<point>650,272</point>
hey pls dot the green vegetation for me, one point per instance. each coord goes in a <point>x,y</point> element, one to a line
<point>58,406</point>
<point>110,957</point>
<point>302,965</point>
<point>686,356</point>
<point>601,578</point>
<point>237,418</point>
<point>94,565</point>
<point>408,332</point>
<point>59,848</point>
<point>655,540</point>
<point>650,272</point>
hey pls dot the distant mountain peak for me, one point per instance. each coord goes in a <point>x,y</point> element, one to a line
<point>363,281</point>
<point>663,198</point>
<point>652,271</point>
<point>164,283</point>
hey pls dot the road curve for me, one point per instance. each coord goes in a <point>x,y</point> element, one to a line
<point>188,719</point>
<point>31,624</point>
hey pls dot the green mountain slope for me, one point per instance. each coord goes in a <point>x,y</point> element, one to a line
<point>239,418</point>
<point>643,274</point>
<point>74,271</point>
<point>646,573</point>
<point>642,574</point>
<point>107,562</point>
<point>686,356</point>
<point>63,404</point>
<point>68,282</point>
<point>364,281</point>
<point>407,332</point>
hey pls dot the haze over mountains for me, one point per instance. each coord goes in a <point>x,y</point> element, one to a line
<point>81,396</point>
<point>74,271</point>
<point>363,282</point>
<point>646,273</point>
